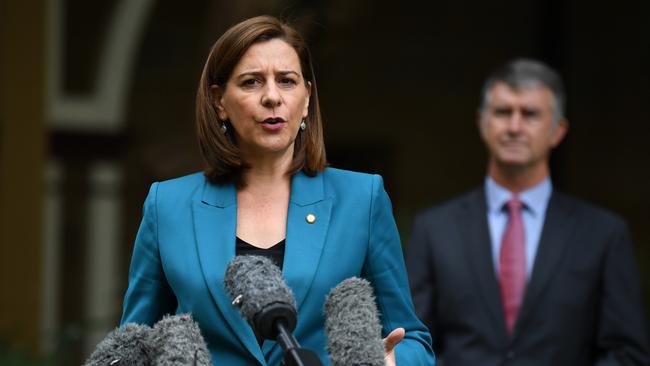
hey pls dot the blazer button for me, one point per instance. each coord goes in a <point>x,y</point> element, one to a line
<point>311,218</point>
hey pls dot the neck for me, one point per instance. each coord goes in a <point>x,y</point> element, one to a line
<point>517,179</point>
<point>268,170</point>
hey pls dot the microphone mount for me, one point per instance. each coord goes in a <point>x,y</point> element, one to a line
<point>276,321</point>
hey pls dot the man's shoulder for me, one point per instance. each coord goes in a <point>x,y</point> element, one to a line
<point>586,210</point>
<point>446,209</point>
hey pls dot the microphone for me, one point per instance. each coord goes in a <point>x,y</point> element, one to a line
<point>127,345</point>
<point>352,325</point>
<point>174,340</point>
<point>178,342</point>
<point>256,286</point>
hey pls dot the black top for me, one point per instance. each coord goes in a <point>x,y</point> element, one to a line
<point>274,253</point>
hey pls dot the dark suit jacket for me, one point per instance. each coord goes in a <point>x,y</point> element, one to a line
<point>582,304</point>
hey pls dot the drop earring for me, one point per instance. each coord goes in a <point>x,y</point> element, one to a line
<point>223,128</point>
<point>303,125</point>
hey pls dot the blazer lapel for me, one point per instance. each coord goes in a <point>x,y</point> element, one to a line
<point>556,231</point>
<point>476,242</point>
<point>305,240</point>
<point>215,225</point>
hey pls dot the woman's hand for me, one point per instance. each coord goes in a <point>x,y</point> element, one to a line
<point>390,342</point>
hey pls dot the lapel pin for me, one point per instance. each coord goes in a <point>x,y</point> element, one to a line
<point>311,218</point>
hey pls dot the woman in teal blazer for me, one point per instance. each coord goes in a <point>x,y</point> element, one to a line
<point>263,171</point>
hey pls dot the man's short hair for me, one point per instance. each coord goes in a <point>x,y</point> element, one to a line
<point>523,73</point>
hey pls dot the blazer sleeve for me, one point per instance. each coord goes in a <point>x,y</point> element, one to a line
<point>384,268</point>
<point>149,295</point>
<point>622,338</point>
<point>421,274</point>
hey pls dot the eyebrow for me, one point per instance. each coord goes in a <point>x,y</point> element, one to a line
<point>287,72</point>
<point>256,73</point>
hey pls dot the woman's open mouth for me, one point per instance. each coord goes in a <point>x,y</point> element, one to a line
<point>273,124</point>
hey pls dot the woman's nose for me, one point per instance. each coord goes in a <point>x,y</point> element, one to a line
<point>271,97</point>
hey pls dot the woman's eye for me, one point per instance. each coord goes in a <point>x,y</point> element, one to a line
<point>287,81</point>
<point>250,82</point>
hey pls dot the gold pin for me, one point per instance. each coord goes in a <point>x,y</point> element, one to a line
<point>311,218</point>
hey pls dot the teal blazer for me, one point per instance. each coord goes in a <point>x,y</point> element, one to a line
<point>187,238</point>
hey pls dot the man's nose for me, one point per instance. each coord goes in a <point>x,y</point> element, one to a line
<point>515,122</point>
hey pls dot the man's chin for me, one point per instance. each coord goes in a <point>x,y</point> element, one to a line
<point>513,162</point>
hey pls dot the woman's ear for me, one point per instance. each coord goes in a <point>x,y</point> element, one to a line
<point>305,112</point>
<point>216,94</point>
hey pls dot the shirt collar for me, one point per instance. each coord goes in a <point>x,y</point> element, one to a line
<point>534,199</point>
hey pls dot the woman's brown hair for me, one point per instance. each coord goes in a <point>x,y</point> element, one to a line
<point>219,150</point>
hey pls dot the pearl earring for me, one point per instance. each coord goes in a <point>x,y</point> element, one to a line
<point>303,125</point>
<point>223,128</point>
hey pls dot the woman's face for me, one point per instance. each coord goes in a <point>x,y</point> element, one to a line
<point>265,99</point>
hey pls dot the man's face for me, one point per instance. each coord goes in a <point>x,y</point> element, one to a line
<point>517,126</point>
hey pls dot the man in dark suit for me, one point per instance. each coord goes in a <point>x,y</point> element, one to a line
<point>515,273</point>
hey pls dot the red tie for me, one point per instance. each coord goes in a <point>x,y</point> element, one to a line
<point>512,264</point>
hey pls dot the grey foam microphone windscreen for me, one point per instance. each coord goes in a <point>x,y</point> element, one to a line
<point>255,282</point>
<point>178,341</point>
<point>127,345</point>
<point>352,325</point>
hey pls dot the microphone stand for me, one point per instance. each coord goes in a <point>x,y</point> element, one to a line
<point>275,322</point>
<point>294,355</point>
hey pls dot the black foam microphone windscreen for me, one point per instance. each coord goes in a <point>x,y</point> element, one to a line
<point>352,325</point>
<point>127,345</point>
<point>255,284</point>
<point>178,341</point>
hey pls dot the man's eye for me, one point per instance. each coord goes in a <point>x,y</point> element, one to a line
<point>529,113</point>
<point>502,112</point>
